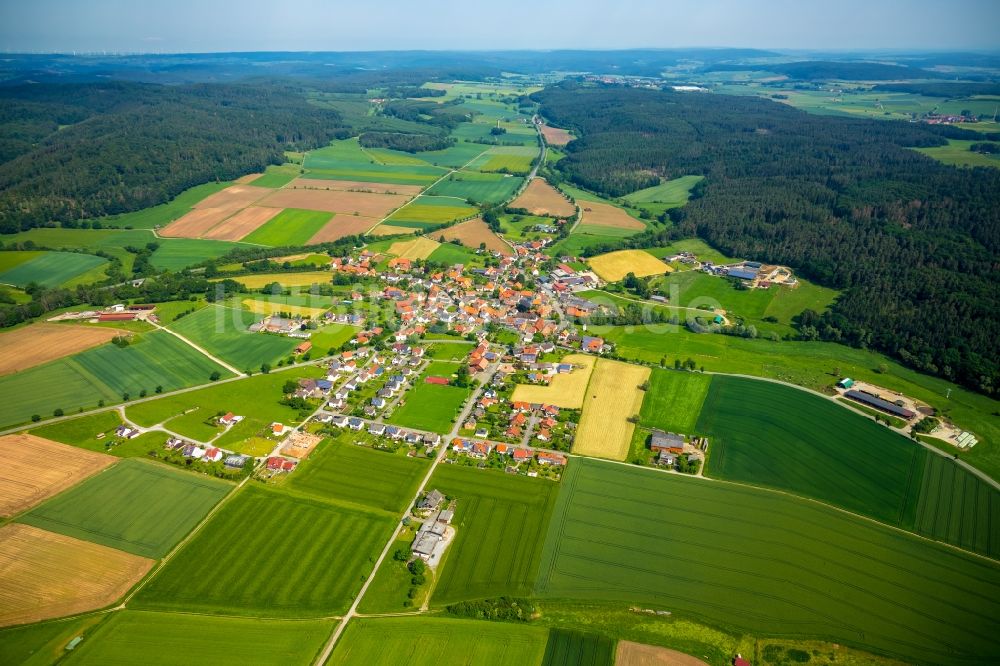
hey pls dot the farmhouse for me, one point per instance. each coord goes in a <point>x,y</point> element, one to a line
<point>666,441</point>
<point>303,347</point>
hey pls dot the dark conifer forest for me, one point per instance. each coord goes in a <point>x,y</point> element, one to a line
<point>913,243</point>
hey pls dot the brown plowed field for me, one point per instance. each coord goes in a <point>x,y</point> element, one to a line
<point>343,225</point>
<point>35,469</point>
<point>354,185</point>
<point>337,201</point>
<point>39,343</point>
<point>389,230</point>
<point>555,136</point>
<point>243,180</point>
<point>234,197</point>
<point>242,223</point>
<point>540,198</point>
<point>196,223</point>
<point>606,215</point>
<point>637,654</point>
<point>45,575</point>
<point>474,232</point>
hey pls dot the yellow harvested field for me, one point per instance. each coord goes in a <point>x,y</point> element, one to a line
<point>45,575</point>
<point>389,230</point>
<point>593,214</point>
<point>36,468</point>
<point>354,186</point>
<point>418,248</point>
<point>555,136</point>
<point>474,233</point>
<point>285,279</point>
<point>33,345</point>
<point>564,390</point>
<point>613,395</point>
<point>613,266</point>
<point>540,198</point>
<point>268,308</point>
<point>638,654</point>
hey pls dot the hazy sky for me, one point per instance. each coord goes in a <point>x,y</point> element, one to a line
<point>359,25</point>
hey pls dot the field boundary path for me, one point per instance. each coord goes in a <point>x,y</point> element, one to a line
<point>331,643</point>
<point>238,373</point>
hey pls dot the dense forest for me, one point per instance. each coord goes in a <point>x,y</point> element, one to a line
<point>811,70</point>
<point>84,150</point>
<point>914,243</point>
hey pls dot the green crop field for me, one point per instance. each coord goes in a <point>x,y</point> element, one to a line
<point>426,641</point>
<point>103,373</point>
<point>277,176</point>
<point>459,154</point>
<point>815,365</point>
<point>137,506</point>
<point>430,211</point>
<point>501,521</point>
<point>781,437</point>
<point>48,269</point>
<point>223,332</point>
<point>345,160</point>
<point>451,254</point>
<point>292,226</point>
<point>957,153</point>
<point>959,508</point>
<point>510,159</point>
<point>193,414</point>
<point>480,187</point>
<point>758,561</point>
<point>432,407</point>
<point>271,554</point>
<point>177,253</point>
<point>130,637</point>
<point>567,647</point>
<point>164,214</point>
<point>340,470</point>
<point>155,359</point>
<point>673,401</point>
<point>44,643</point>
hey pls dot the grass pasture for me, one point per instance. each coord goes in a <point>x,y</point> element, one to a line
<point>163,639</point>
<point>277,176</point>
<point>761,562</point>
<point>431,407</point>
<point>42,644</point>
<point>346,160</point>
<point>427,641</point>
<point>614,266</point>
<point>137,506</point>
<point>24,483</point>
<point>957,153</point>
<point>292,226</point>
<point>46,575</point>
<point>332,336</point>
<point>814,448</point>
<point>673,401</point>
<point>83,432</point>
<point>340,470</point>
<point>613,396</point>
<point>177,253</point>
<point>674,192</point>
<point>270,554</point>
<point>563,390</point>
<point>48,269</point>
<point>501,521</point>
<point>958,508</point>
<point>223,332</point>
